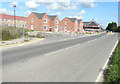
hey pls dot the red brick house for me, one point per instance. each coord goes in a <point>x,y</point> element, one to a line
<point>54,23</point>
<point>69,24</point>
<point>80,25</point>
<point>38,21</point>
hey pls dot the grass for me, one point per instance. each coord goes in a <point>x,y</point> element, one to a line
<point>113,72</point>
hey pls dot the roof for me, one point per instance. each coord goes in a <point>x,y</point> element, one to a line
<point>39,15</point>
<point>91,23</point>
<point>72,19</point>
<point>79,20</point>
<point>11,17</point>
<point>86,23</point>
<point>52,17</point>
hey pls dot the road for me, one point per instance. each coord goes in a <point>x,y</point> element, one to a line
<point>73,60</point>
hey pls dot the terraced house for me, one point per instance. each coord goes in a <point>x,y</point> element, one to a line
<point>70,24</point>
<point>9,20</point>
<point>42,22</point>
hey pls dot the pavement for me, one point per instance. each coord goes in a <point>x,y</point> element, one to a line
<point>73,60</point>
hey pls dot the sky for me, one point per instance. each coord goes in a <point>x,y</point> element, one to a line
<point>101,12</point>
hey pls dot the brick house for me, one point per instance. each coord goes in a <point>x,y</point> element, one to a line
<point>80,25</point>
<point>38,21</point>
<point>54,23</point>
<point>42,21</point>
<point>69,24</point>
<point>9,20</point>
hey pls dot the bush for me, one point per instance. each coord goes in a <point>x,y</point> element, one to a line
<point>5,35</point>
<point>39,35</point>
<point>9,32</point>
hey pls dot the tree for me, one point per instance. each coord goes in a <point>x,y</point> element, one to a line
<point>118,29</point>
<point>112,26</point>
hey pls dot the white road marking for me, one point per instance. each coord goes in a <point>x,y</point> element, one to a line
<point>101,72</point>
<point>70,47</point>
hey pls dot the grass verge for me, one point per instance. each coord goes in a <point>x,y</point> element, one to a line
<point>113,72</point>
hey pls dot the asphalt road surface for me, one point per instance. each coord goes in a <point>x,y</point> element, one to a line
<point>73,60</point>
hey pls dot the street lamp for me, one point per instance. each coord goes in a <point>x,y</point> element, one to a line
<point>14,16</point>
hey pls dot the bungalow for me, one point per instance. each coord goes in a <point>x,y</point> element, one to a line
<point>69,24</point>
<point>92,26</point>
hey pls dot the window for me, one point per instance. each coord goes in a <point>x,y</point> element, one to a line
<point>32,27</point>
<point>45,27</point>
<point>32,20</point>
<point>20,25</point>
<point>45,20</point>
<point>18,21</point>
<point>65,28</point>
<point>23,26</point>
<point>65,23</point>
<point>56,27</point>
<point>11,20</point>
<point>56,22</point>
<point>6,19</point>
<point>76,23</point>
<point>2,19</point>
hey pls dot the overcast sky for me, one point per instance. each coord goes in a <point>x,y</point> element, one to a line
<point>101,12</point>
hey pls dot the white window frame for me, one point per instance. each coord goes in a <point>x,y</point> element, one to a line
<point>56,22</point>
<point>45,20</point>
<point>31,19</point>
<point>76,23</point>
<point>32,27</point>
<point>65,23</point>
<point>44,27</point>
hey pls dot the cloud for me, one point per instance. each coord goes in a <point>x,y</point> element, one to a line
<point>58,13</point>
<point>31,4</point>
<point>5,11</point>
<point>27,13</point>
<point>87,3</point>
<point>52,4</point>
<point>48,11</point>
<point>78,17</point>
<point>82,12</point>
<point>13,3</point>
<point>60,4</point>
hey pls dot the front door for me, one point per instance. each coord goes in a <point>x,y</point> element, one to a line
<point>32,28</point>
<point>56,29</point>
